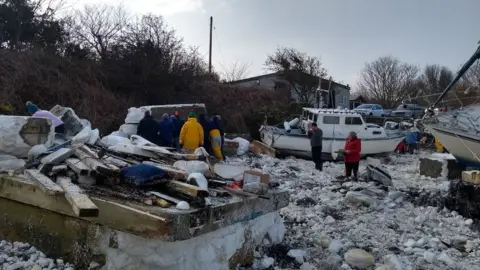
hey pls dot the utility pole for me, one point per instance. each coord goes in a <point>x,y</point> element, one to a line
<point>210,50</point>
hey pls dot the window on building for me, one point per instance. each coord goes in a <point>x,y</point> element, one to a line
<point>353,121</point>
<point>332,120</point>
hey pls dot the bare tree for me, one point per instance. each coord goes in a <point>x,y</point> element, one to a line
<point>433,81</point>
<point>300,70</point>
<point>98,27</point>
<point>237,71</point>
<point>388,81</point>
<point>472,76</point>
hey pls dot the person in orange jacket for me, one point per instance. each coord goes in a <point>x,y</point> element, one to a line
<point>191,134</point>
<point>353,147</point>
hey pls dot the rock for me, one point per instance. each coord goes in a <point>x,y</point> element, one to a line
<point>410,243</point>
<point>335,246</point>
<point>266,262</point>
<point>324,241</point>
<point>43,262</point>
<point>359,258</point>
<point>329,220</point>
<point>36,267</point>
<point>298,255</point>
<point>392,262</point>
<point>446,260</point>
<point>429,256</point>
<point>354,197</point>
<point>307,266</point>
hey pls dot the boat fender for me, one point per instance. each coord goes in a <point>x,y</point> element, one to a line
<point>286,125</point>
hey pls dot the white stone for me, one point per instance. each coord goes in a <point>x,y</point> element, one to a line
<point>443,257</point>
<point>360,198</point>
<point>183,205</point>
<point>298,255</point>
<point>392,262</point>
<point>307,266</point>
<point>266,262</point>
<point>329,220</point>
<point>359,258</point>
<point>429,256</point>
<point>324,241</point>
<point>468,222</point>
<point>410,243</point>
<point>335,246</point>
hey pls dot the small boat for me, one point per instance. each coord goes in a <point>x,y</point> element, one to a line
<point>291,137</point>
<point>457,130</point>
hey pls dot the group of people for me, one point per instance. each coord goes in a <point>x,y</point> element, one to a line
<point>351,151</point>
<point>195,132</point>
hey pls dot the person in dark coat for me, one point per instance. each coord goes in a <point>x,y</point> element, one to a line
<point>177,123</point>
<point>167,130</point>
<point>149,128</point>
<point>316,141</point>
<point>205,122</point>
<point>353,148</point>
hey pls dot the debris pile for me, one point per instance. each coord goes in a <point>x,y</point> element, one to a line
<point>122,165</point>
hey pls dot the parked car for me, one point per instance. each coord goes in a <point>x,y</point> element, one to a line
<point>370,109</point>
<point>408,110</point>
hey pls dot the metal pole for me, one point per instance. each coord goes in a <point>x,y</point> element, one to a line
<point>210,50</point>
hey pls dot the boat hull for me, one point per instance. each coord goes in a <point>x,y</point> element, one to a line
<point>463,146</point>
<point>299,144</point>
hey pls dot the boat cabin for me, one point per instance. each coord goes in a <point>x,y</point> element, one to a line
<point>336,123</point>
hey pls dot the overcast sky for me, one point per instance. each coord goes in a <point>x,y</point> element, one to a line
<point>344,33</point>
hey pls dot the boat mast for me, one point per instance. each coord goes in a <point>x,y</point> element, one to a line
<point>462,71</point>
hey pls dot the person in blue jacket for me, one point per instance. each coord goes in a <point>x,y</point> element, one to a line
<point>412,141</point>
<point>178,124</point>
<point>167,130</point>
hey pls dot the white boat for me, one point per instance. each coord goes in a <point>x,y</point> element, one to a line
<point>459,132</point>
<point>291,138</point>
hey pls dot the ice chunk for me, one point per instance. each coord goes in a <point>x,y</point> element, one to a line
<point>82,137</point>
<point>111,140</point>
<point>36,151</point>
<point>243,146</point>
<point>297,254</point>
<point>335,246</point>
<point>198,180</point>
<point>183,205</point>
<point>266,263</point>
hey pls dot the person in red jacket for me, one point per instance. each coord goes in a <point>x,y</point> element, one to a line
<point>353,147</point>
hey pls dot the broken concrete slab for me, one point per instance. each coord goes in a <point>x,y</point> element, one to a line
<point>472,177</point>
<point>18,134</point>
<point>443,166</point>
<point>81,204</point>
<point>58,156</point>
<point>73,124</point>
<point>78,166</point>
<point>43,182</point>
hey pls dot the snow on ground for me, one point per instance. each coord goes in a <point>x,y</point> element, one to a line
<point>327,217</point>
<point>21,256</point>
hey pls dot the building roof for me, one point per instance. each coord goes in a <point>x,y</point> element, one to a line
<point>324,83</point>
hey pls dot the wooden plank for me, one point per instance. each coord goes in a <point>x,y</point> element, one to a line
<point>43,182</point>
<point>164,196</point>
<point>173,172</point>
<point>89,151</point>
<point>78,166</point>
<point>81,204</point>
<point>187,189</point>
<point>95,164</point>
<point>58,156</point>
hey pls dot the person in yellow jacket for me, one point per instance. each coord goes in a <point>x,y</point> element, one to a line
<point>191,134</point>
<point>216,137</point>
